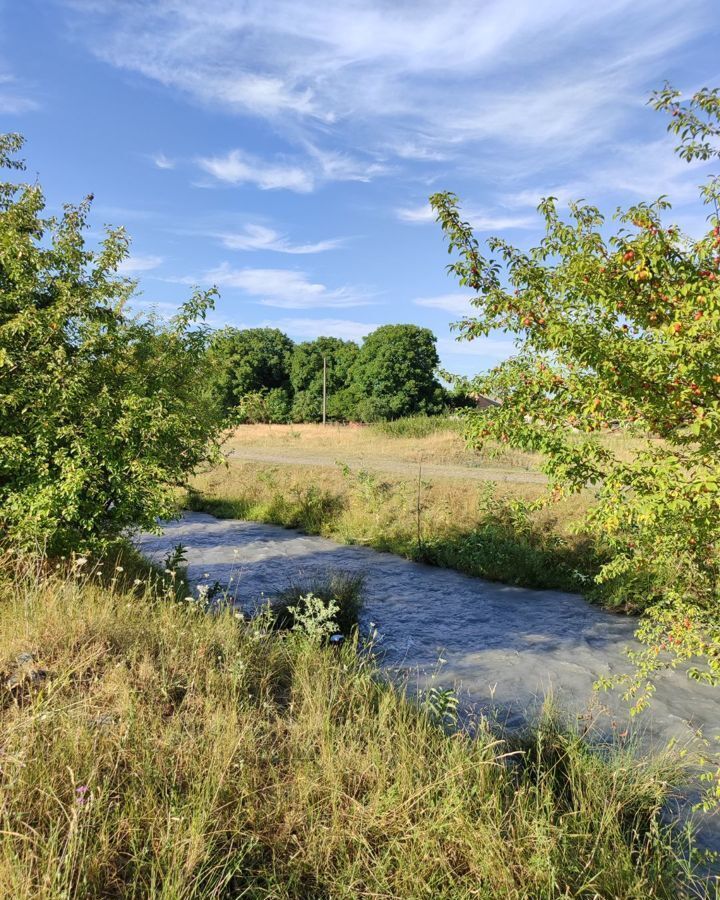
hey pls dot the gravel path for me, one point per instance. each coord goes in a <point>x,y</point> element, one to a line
<point>383,464</point>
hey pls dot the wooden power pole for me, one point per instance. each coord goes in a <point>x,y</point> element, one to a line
<point>324,389</point>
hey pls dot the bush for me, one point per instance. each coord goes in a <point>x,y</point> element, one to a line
<point>102,415</point>
<point>343,589</point>
<point>265,406</point>
<point>418,426</point>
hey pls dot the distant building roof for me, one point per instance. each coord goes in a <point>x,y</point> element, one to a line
<point>482,402</point>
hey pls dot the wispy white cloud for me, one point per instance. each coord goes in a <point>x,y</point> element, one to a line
<point>285,288</point>
<point>416,215</point>
<point>14,99</point>
<point>636,171</point>
<point>312,328</point>
<point>422,148</point>
<point>258,237</point>
<point>490,221</point>
<point>301,175</point>
<point>162,161</point>
<point>135,264</point>
<point>238,168</point>
<point>397,73</point>
<point>488,349</point>
<point>459,304</point>
<point>337,166</point>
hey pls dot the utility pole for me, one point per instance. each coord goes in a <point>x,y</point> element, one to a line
<point>324,389</point>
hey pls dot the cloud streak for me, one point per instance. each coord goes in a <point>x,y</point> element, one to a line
<point>399,76</point>
<point>285,288</point>
<point>459,304</point>
<point>238,168</point>
<point>13,98</point>
<point>490,221</point>
<point>135,264</point>
<point>258,237</point>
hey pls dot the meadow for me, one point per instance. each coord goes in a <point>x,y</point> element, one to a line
<point>153,750</point>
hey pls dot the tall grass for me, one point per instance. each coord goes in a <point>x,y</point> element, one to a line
<point>418,426</point>
<point>150,750</point>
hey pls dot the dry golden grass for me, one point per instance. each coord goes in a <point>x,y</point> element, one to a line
<point>150,750</point>
<point>366,441</point>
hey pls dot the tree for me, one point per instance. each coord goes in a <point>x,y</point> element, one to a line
<point>306,378</point>
<point>625,331</point>
<point>101,414</point>
<point>247,361</point>
<point>394,374</point>
<point>266,406</point>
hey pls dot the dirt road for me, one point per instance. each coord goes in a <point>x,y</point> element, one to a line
<point>302,457</point>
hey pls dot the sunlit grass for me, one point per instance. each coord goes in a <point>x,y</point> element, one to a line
<point>152,750</point>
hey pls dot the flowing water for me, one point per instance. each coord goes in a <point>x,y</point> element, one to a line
<point>503,648</point>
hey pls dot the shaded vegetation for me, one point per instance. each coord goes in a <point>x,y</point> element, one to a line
<point>342,589</point>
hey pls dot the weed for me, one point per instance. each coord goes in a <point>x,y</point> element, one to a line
<point>342,590</point>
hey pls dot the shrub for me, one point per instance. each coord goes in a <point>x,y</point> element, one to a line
<point>265,406</point>
<point>341,589</point>
<point>418,426</point>
<point>102,415</point>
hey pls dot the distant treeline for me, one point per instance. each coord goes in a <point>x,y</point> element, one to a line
<point>261,375</point>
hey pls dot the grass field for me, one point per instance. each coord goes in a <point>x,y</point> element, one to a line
<point>412,488</point>
<point>152,750</point>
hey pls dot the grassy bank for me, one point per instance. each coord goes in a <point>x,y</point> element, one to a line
<point>481,529</point>
<point>413,488</point>
<point>152,750</point>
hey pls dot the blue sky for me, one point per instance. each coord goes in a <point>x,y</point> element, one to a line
<point>285,149</point>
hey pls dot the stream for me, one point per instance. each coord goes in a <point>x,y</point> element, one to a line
<point>503,648</point>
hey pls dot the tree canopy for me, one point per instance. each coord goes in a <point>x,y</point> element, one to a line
<point>394,374</point>
<point>306,378</point>
<point>259,375</point>
<point>619,330</point>
<point>248,360</point>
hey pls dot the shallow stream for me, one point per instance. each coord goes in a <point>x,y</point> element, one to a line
<point>503,648</point>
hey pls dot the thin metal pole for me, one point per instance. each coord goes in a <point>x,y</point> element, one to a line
<point>324,389</point>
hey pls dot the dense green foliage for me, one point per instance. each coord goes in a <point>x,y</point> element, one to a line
<point>248,361</point>
<point>306,377</point>
<point>270,406</point>
<point>101,414</point>
<point>261,376</point>
<point>153,751</point>
<point>619,330</point>
<point>394,374</point>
